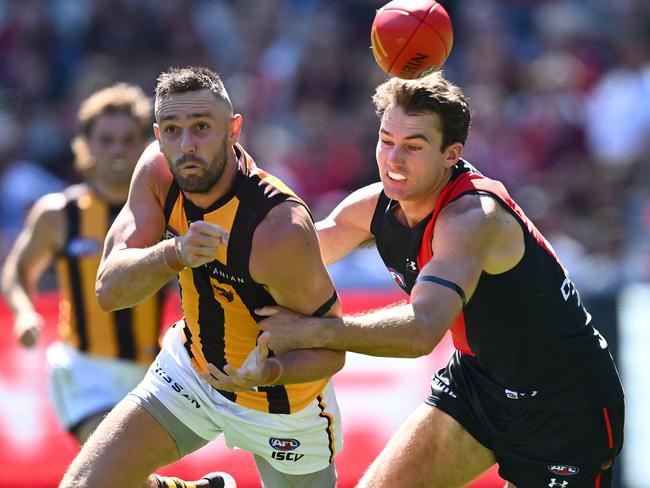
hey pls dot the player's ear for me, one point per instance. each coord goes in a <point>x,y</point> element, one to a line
<point>453,152</point>
<point>156,132</point>
<point>235,128</point>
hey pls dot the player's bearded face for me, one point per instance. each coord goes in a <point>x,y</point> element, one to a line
<point>204,174</point>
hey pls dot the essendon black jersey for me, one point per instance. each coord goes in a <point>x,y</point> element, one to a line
<point>524,336</point>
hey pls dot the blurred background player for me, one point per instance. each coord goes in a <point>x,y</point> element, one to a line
<point>100,356</point>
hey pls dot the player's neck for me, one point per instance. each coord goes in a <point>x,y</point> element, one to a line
<point>411,213</point>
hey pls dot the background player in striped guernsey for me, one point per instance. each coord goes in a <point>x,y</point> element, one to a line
<point>239,239</point>
<point>532,385</point>
<point>100,356</point>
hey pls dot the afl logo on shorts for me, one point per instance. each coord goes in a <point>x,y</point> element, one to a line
<point>284,444</point>
<point>563,469</point>
<point>398,277</point>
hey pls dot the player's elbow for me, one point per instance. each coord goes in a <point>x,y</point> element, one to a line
<point>103,298</point>
<point>106,299</point>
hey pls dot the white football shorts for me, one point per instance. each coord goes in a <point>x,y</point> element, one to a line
<point>194,413</point>
<point>81,385</point>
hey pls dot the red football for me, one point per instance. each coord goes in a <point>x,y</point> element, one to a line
<point>411,38</point>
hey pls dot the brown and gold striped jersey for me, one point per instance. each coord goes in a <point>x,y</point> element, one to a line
<point>219,298</point>
<point>131,333</point>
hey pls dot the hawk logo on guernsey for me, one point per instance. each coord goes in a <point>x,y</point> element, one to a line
<point>563,469</point>
<point>228,295</point>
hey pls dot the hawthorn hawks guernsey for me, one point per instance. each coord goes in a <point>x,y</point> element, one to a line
<point>127,334</point>
<point>524,335</point>
<point>218,298</point>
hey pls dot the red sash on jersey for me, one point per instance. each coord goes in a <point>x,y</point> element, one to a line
<point>470,182</point>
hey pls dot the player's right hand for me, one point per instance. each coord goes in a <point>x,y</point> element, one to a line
<point>199,244</point>
<point>27,328</point>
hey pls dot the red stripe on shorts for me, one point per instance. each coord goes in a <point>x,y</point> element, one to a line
<point>609,428</point>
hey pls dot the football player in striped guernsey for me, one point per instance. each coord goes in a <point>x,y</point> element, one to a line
<point>239,239</point>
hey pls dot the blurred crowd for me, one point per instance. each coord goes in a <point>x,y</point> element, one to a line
<point>560,91</point>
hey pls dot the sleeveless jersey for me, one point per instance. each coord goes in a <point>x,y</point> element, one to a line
<point>218,298</point>
<point>127,334</point>
<point>524,335</point>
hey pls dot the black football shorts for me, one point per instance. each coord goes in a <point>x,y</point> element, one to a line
<point>534,449</point>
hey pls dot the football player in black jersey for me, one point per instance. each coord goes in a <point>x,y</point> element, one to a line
<point>531,385</point>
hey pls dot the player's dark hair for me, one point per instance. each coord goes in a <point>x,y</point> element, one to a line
<point>430,94</point>
<point>191,78</point>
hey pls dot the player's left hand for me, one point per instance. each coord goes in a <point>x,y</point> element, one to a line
<point>254,372</point>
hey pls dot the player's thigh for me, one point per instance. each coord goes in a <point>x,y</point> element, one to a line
<point>272,478</point>
<point>430,450</point>
<point>127,446</point>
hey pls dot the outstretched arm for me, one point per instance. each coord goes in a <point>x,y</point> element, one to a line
<point>30,255</point>
<point>465,233</point>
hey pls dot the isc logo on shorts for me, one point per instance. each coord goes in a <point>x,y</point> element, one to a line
<point>287,456</point>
